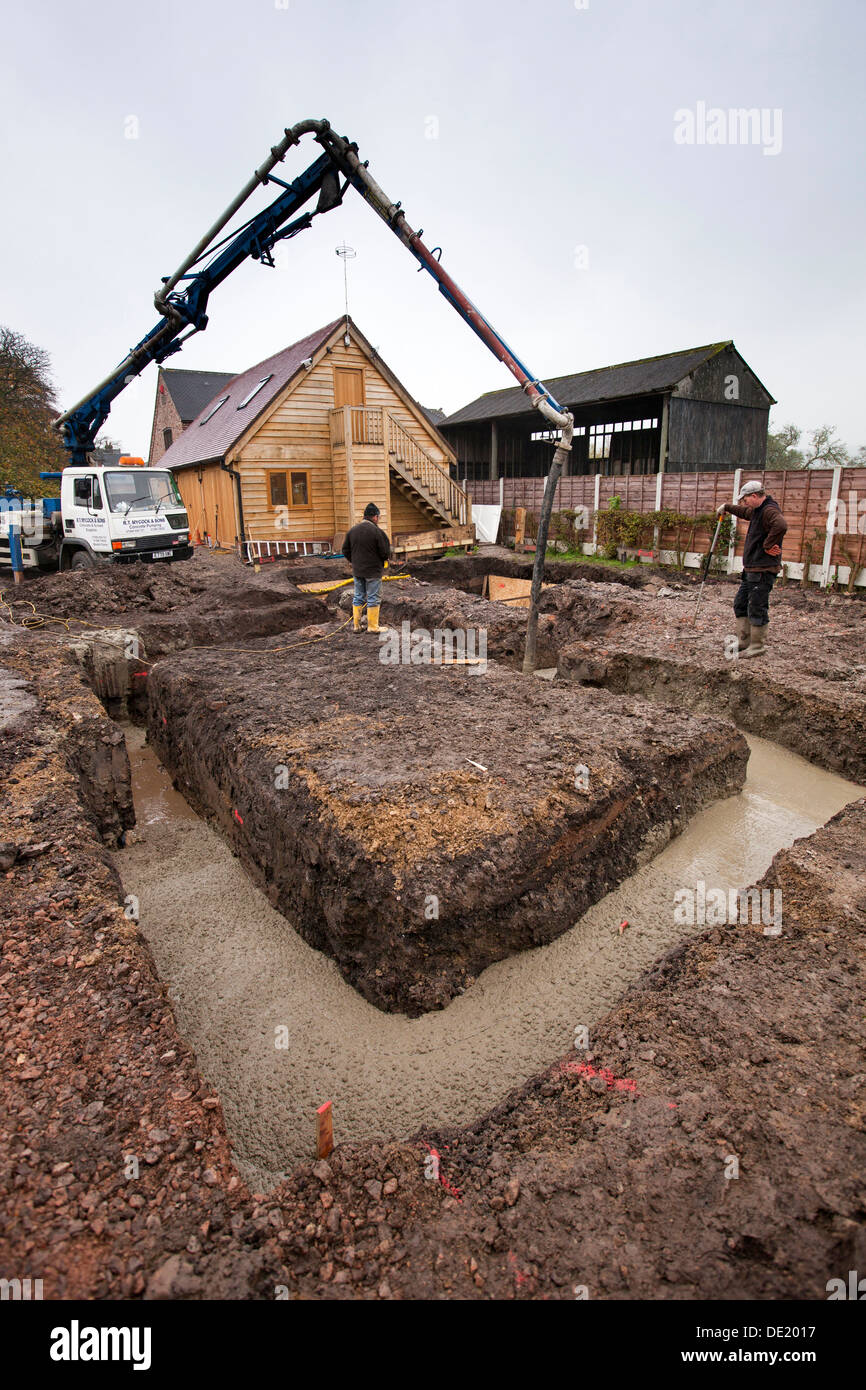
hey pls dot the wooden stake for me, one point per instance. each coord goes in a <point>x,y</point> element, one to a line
<point>324,1130</point>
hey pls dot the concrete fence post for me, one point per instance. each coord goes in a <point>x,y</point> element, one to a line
<point>732,544</point>
<point>596,499</point>
<point>657,535</point>
<point>832,509</point>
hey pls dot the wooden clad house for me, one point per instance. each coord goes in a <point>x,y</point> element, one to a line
<point>290,452</point>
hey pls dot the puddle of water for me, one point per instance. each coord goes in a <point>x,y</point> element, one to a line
<point>156,801</point>
<point>237,972</point>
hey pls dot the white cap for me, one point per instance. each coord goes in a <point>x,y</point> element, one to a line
<point>748,488</point>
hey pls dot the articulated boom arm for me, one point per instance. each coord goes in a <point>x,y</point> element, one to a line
<point>182,298</point>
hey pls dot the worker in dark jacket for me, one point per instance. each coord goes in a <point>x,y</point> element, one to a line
<point>762,560</point>
<point>367,548</point>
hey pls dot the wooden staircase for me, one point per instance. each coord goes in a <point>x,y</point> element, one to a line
<point>429,486</point>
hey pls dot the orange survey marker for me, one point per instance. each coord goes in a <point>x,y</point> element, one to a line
<point>324,1130</point>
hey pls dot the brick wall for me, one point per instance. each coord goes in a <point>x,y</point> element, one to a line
<point>165,417</point>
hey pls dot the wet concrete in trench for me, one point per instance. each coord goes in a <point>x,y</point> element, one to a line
<point>237,972</point>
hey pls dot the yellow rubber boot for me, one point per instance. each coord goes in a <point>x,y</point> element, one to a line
<point>357,610</point>
<point>373,621</point>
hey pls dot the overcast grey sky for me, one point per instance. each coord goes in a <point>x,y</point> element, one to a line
<point>538,144</point>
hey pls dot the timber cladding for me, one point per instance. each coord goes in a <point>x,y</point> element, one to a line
<point>293,442</point>
<point>293,449</point>
<point>209,497</point>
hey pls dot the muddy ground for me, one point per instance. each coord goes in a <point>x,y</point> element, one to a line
<point>416,861</point>
<point>806,693</point>
<point>208,599</point>
<point>609,1171</point>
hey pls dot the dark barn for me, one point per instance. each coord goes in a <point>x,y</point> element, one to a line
<point>694,411</point>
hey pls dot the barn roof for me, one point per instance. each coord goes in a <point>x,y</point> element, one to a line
<point>191,390</point>
<point>229,412</point>
<point>645,377</point>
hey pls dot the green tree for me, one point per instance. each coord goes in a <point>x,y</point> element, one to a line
<point>29,443</point>
<point>782,451</point>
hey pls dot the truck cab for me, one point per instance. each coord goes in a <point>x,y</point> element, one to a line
<point>118,514</point>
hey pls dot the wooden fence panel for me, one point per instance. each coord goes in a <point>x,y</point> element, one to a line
<point>806,498</point>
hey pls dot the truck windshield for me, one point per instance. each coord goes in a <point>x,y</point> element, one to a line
<point>141,487</point>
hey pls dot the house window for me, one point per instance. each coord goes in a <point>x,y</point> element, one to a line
<point>166,438</point>
<point>290,489</point>
<point>248,397</point>
<point>213,410</point>
<point>279,492</point>
<point>300,489</point>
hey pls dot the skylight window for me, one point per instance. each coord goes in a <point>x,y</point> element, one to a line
<point>246,400</point>
<point>213,410</point>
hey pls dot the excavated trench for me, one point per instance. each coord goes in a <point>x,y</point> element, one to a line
<point>243,981</point>
<point>278,1030</point>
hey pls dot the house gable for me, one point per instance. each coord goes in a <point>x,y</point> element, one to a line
<point>332,353</point>
<point>293,436</point>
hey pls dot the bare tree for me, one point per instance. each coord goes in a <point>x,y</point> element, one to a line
<point>824,450</point>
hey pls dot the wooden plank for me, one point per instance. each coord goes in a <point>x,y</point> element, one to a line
<point>324,1130</point>
<point>500,588</point>
<point>513,591</point>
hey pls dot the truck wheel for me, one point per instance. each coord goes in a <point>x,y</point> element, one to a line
<point>81,560</point>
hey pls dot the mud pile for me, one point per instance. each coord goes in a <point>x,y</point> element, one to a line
<point>207,600</point>
<point>419,822</point>
<point>808,692</point>
<point>574,610</point>
<point>427,606</point>
<point>463,571</point>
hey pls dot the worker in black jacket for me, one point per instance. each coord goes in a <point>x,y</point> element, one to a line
<point>367,548</point>
<point>762,560</point>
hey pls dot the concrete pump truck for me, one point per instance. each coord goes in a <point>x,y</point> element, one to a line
<point>119,515</point>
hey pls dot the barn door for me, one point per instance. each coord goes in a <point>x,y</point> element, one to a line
<point>349,390</point>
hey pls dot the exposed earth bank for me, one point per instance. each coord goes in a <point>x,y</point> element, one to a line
<point>610,1171</point>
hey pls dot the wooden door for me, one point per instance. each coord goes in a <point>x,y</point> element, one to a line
<point>348,386</point>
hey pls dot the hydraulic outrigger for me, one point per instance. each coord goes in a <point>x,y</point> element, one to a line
<point>182,298</point>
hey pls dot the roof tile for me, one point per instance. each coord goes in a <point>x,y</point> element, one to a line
<point>213,433</point>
